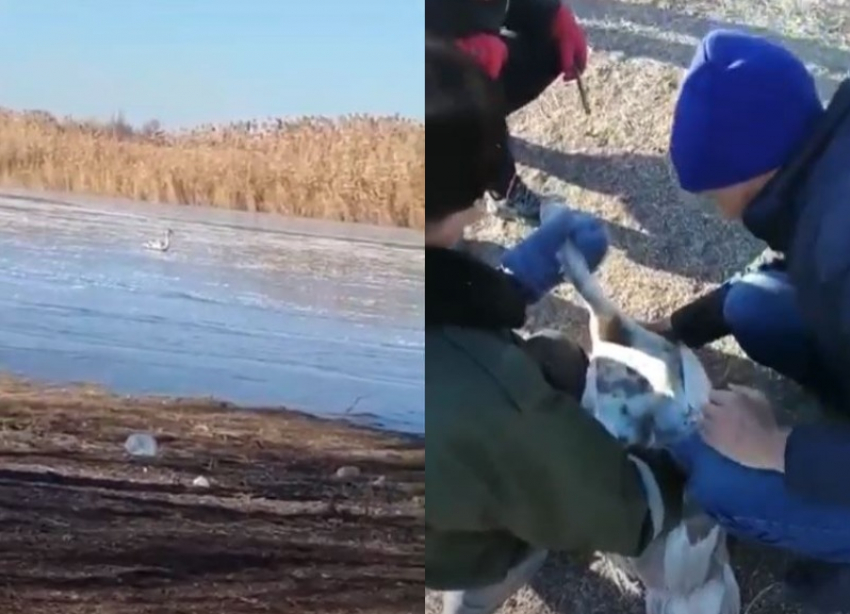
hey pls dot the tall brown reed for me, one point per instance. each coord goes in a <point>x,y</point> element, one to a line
<point>356,168</point>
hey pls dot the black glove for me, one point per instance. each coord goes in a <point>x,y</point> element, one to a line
<point>701,321</point>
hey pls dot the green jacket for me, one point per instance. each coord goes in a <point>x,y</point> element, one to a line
<point>513,463</point>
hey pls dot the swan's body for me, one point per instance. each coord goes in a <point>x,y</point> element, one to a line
<point>160,245</point>
<point>649,392</point>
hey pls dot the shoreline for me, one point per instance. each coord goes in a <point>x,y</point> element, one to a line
<point>201,265</point>
<point>352,231</point>
<point>285,524</point>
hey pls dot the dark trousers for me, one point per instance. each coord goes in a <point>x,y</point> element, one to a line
<point>533,64</point>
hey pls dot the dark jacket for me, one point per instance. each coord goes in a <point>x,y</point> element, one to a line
<point>514,464</point>
<point>459,18</point>
<point>804,213</point>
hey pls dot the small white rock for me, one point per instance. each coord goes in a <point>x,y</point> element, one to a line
<point>380,481</point>
<point>141,445</point>
<point>347,473</point>
<point>201,482</point>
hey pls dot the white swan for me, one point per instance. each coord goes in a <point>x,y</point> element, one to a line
<point>160,245</point>
<point>648,391</point>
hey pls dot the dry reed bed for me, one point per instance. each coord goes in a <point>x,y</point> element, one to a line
<point>357,168</point>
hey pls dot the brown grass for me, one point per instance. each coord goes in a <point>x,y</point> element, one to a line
<point>357,168</point>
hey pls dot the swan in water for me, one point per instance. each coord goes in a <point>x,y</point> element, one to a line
<point>160,245</point>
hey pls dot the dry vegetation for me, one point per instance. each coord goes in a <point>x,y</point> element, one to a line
<point>358,168</point>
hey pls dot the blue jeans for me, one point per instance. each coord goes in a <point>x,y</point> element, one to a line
<point>755,505</point>
<point>761,310</point>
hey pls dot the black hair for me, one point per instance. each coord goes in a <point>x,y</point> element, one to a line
<point>464,126</point>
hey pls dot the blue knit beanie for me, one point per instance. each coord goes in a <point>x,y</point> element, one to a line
<point>745,106</point>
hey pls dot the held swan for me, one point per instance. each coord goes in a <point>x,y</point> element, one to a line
<point>686,570</point>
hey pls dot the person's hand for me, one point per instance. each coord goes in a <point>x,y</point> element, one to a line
<point>534,262</point>
<point>489,50</point>
<point>740,424</point>
<point>572,43</point>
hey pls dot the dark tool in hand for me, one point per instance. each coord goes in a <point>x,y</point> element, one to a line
<point>583,95</point>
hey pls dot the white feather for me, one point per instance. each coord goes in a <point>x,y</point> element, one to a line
<point>687,565</point>
<point>695,383</point>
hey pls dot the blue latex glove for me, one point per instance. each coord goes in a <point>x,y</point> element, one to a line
<point>534,262</point>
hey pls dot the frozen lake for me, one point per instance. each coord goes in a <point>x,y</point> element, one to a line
<point>254,309</point>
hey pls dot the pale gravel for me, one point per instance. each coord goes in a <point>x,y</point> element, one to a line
<point>667,248</point>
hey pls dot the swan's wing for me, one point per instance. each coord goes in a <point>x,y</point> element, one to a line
<point>689,554</point>
<point>695,383</point>
<point>633,395</point>
<point>589,396</point>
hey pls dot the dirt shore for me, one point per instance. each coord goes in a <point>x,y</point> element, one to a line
<point>86,529</point>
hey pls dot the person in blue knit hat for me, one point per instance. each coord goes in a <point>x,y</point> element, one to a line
<point>751,134</point>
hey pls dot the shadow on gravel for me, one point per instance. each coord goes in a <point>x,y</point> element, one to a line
<point>621,38</point>
<point>678,237</point>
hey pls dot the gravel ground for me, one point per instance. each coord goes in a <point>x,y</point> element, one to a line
<point>667,249</point>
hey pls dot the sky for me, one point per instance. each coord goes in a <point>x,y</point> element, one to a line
<point>186,62</point>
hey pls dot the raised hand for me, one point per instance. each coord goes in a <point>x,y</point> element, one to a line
<point>534,262</point>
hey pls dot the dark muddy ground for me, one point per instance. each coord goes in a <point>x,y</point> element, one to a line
<point>86,529</point>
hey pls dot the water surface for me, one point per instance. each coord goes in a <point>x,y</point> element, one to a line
<point>250,308</point>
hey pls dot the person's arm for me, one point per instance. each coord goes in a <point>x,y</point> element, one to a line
<point>566,484</point>
<point>816,460</point>
<point>817,455</point>
<point>699,322</point>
